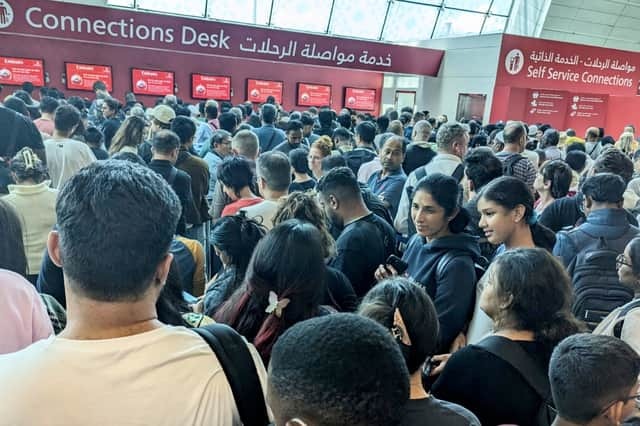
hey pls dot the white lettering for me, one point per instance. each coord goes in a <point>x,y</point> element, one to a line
<point>142,32</point>
<point>169,35</point>
<point>50,21</point>
<point>67,20</point>
<point>110,28</point>
<point>99,27</point>
<point>28,16</point>
<point>186,29</point>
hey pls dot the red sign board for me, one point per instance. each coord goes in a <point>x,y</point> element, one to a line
<point>15,71</point>
<point>546,106</point>
<point>586,110</point>
<point>313,94</point>
<point>259,90</point>
<point>360,99</point>
<point>152,82</point>
<point>82,76</point>
<point>210,87</point>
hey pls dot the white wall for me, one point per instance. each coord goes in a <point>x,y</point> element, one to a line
<point>469,66</point>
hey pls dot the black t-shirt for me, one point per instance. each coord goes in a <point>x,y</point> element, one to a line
<point>302,186</point>
<point>432,411</point>
<point>340,293</point>
<point>562,213</point>
<point>100,153</point>
<point>490,387</point>
<point>109,129</point>
<point>18,131</point>
<point>361,247</point>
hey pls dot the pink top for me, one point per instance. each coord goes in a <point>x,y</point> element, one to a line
<point>44,125</point>
<point>23,317</point>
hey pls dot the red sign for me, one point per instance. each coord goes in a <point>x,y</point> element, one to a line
<point>210,87</point>
<point>78,23</point>
<point>531,62</point>
<point>152,82</point>
<point>259,90</point>
<point>586,110</point>
<point>313,95</point>
<point>15,71</point>
<point>360,99</point>
<point>82,76</point>
<point>546,106</point>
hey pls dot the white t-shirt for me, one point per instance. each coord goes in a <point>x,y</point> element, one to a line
<point>65,157</point>
<point>263,212</point>
<point>167,376</point>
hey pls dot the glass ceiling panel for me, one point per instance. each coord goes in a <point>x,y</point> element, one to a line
<point>301,15</point>
<point>180,7</point>
<point>358,18</point>
<point>124,3</point>
<point>408,22</point>
<point>454,23</point>
<point>246,11</point>
<point>494,24</point>
<point>475,5</point>
<point>501,7</point>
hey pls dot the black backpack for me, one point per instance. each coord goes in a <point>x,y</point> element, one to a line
<point>596,286</point>
<point>513,354</point>
<point>509,164</point>
<point>421,172</point>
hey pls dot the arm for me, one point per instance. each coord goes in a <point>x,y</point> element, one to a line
<point>344,262</point>
<point>220,200</point>
<point>404,206</point>
<point>393,194</point>
<point>41,327</point>
<point>199,274</point>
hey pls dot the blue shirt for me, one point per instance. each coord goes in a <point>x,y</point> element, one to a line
<point>202,138</point>
<point>213,159</point>
<point>269,137</point>
<point>388,188</point>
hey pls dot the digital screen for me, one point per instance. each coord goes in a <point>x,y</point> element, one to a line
<point>152,82</point>
<point>360,99</point>
<point>15,71</point>
<point>259,90</point>
<point>210,87</point>
<point>313,94</point>
<point>82,76</point>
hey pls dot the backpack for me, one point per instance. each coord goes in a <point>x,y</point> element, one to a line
<point>617,329</point>
<point>511,352</point>
<point>421,172</point>
<point>596,286</point>
<point>240,371</point>
<point>508,167</point>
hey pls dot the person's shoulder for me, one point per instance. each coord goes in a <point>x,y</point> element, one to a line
<point>440,412</point>
<point>14,286</point>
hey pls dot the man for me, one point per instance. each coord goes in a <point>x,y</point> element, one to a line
<point>65,156</point>
<point>594,380</point>
<point>268,135</point>
<point>245,143</point>
<point>387,183</point>
<point>307,129</point>
<point>47,108</point>
<point>274,177</point>
<point>419,152</point>
<point>220,148</point>
<point>294,138</point>
<point>205,130</point>
<point>114,353</point>
<point>161,118</point>
<point>325,119</point>
<point>198,170</point>
<point>166,146</point>
<point>364,151</point>
<point>514,163</point>
<point>346,373</point>
<point>366,240</point>
<point>550,140</point>
<point>95,112</point>
<point>452,141</point>
<point>342,140</point>
<point>228,121</point>
<point>592,142</point>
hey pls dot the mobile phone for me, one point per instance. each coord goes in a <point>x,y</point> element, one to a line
<point>398,264</point>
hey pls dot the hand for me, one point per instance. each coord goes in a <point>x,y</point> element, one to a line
<point>385,271</point>
<point>459,342</point>
<point>439,361</point>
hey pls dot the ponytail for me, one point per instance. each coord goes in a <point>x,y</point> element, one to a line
<point>543,237</point>
<point>561,325</point>
<point>460,221</point>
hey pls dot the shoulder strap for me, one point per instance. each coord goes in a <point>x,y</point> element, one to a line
<point>617,329</point>
<point>420,173</point>
<point>240,370</point>
<point>595,145</point>
<point>510,352</point>
<point>172,176</point>
<point>443,262</point>
<point>458,173</point>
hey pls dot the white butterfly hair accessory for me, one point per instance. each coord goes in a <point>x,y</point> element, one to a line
<point>276,306</point>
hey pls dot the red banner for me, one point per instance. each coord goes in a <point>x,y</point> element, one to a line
<point>546,106</point>
<point>360,99</point>
<point>586,110</point>
<point>259,90</point>
<point>313,95</point>
<point>82,76</point>
<point>210,87</point>
<point>530,62</point>
<point>152,82</point>
<point>15,71</point>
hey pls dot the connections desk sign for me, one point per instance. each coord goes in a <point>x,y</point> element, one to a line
<point>118,27</point>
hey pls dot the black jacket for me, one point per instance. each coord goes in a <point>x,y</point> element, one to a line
<point>181,185</point>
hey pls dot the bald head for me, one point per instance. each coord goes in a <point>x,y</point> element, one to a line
<point>245,143</point>
<point>515,133</point>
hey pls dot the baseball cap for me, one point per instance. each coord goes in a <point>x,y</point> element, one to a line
<point>533,129</point>
<point>163,114</point>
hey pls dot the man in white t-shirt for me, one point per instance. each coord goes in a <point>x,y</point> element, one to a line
<point>115,363</point>
<point>65,156</point>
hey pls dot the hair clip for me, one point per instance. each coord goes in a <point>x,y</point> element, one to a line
<point>276,306</point>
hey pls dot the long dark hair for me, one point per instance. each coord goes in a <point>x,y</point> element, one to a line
<point>447,193</point>
<point>12,254</point>
<point>510,192</point>
<point>237,236</point>
<point>171,304</point>
<point>541,295</point>
<point>288,261</point>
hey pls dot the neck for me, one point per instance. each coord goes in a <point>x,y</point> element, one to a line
<point>387,172</point>
<point>512,147</point>
<point>57,134</point>
<point>521,238</point>
<point>245,193</point>
<point>162,157</point>
<point>47,116</point>
<point>301,177</point>
<point>271,195</point>
<point>514,334</point>
<point>559,421</point>
<point>416,387</point>
<point>545,198</point>
<point>356,212</point>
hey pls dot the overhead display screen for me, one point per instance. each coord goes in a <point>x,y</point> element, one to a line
<point>15,71</point>
<point>82,76</point>
<point>152,82</point>
<point>210,87</point>
<point>361,99</point>
<point>314,94</point>
<point>259,90</point>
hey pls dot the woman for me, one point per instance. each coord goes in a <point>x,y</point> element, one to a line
<point>624,322</point>
<point>627,144</point>
<point>110,125</point>
<point>300,169</point>
<point>302,206</point>
<point>441,257</point>
<point>507,216</point>
<point>284,284</point>
<point>23,317</point>
<point>528,297</point>
<point>553,182</point>
<point>319,150</point>
<point>407,312</point>
<point>35,203</point>
<point>236,177</point>
<point>128,137</point>
<point>233,238</point>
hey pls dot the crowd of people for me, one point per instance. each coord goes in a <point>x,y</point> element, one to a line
<point>220,264</point>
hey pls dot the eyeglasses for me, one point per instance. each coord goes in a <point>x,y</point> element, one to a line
<point>622,260</point>
<point>635,397</point>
